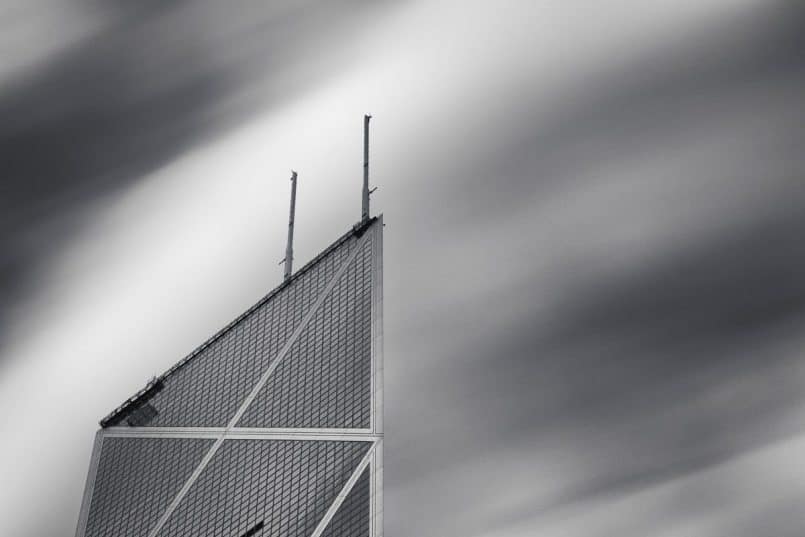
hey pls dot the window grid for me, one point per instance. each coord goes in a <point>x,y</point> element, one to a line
<point>207,390</point>
<point>286,484</point>
<point>325,380</point>
<point>137,478</point>
<point>352,517</point>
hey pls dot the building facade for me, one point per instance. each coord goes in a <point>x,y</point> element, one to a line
<point>272,427</point>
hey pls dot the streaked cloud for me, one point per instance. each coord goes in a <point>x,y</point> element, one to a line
<point>594,313</point>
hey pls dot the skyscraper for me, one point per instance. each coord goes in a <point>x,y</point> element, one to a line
<point>273,426</point>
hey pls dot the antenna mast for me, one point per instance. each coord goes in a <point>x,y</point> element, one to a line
<point>289,249</point>
<point>366,191</point>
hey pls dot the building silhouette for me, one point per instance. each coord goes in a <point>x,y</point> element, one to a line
<point>272,427</point>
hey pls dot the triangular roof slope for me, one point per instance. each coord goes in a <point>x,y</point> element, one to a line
<point>207,387</point>
<point>325,379</point>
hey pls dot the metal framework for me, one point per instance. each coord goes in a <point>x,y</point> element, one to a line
<point>360,252</point>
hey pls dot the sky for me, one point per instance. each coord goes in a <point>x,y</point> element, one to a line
<point>594,301</point>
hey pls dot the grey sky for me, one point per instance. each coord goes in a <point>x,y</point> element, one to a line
<point>594,301</point>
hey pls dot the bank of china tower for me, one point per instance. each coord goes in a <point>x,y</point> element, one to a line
<point>272,427</point>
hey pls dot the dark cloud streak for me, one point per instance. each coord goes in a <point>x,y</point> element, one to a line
<point>658,98</point>
<point>151,82</point>
<point>652,370</point>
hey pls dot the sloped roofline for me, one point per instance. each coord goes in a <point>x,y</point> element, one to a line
<point>157,383</point>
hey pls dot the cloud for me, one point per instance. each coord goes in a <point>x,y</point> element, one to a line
<point>593,309</point>
<point>140,86</point>
<point>614,288</point>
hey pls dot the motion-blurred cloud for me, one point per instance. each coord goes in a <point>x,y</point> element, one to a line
<point>594,309</point>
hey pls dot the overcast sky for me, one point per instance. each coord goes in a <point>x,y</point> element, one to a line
<point>594,259</point>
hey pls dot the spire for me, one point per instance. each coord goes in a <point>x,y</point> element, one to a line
<point>289,248</point>
<point>365,197</point>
